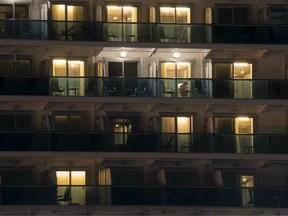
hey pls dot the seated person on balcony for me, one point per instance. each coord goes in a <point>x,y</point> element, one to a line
<point>184,89</point>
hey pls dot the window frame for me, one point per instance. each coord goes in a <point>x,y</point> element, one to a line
<point>14,58</point>
<point>69,115</point>
<point>232,7</point>
<point>190,6</point>
<point>86,14</point>
<point>122,67</point>
<point>127,169</point>
<point>233,117</point>
<point>14,4</point>
<point>129,4</point>
<point>191,116</point>
<point>233,68</point>
<point>179,170</point>
<point>278,7</point>
<point>31,114</point>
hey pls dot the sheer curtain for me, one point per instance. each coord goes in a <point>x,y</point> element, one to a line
<point>243,88</point>
<point>63,178</point>
<point>78,193</point>
<point>244,141</point>
<point>168,125</point>
<point>105,180</point>
<point>184,127</point>
<point>75,13</point>
<point>58,12</point>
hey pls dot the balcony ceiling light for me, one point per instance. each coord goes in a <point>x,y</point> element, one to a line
<point>176,54</point>
<point>123,54</point>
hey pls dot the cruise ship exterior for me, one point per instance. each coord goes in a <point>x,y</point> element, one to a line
<point>153,107</point>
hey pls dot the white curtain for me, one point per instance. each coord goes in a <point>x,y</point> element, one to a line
<point>161,177</point>
<point>78,193</point>
<point>243,88</point>
<point>99,16</point>
<point>58,12</point>
<point>105,179</point>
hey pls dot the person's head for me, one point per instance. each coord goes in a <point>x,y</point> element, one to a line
<point>185,83</point>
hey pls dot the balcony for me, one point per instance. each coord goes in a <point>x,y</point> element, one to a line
<point>144,142</point>
<point>143,87</point>
<point>146,195</point>
<point>143,32</point>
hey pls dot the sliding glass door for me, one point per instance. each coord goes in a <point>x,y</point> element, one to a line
<point>233,80</point>
<point>64,13</point>
<point>74,194</point>
<point>70,79</point>
<point>235,134</point>
<point>175,18</point>
<point>122,14</point>
<point>174,74</point>
<point>176,133</point>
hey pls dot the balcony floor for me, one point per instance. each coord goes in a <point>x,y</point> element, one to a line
<point>137,210</point>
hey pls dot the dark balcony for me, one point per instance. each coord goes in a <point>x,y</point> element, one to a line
<point>145,195</point>
<point>143,32</point>
<point>144,142</point>
<point>143,87</point>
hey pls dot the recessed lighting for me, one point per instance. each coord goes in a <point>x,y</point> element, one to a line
<point>123,54</point>
<point>176,55</point>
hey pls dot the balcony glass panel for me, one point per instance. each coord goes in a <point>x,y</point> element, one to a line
<point>141,32</point>
<point>146,195</point>
<point>144,142</point>
<point>141,87</point>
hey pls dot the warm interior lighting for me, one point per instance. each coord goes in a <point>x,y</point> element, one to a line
<point>166,9</point>
<point>127,7</point>
<point>123,54</point>
<point>59,61</point>
<point>78,173</point>
<point>176,54</point>
<point>240,64</point>
<point>112,7</point>
<point>60,174</point>
<point>243,118</point>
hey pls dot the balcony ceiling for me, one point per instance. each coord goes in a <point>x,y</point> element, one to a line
<point>235,54</point>
<point>135,52</point>
<point>151,52</point>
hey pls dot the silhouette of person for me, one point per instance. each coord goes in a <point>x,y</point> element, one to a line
<point>184,89</point>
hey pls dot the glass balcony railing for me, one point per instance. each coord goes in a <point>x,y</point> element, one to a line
<point>144,142</point>
<point>143,32</point>
<point>143,87</point>
<point>144,195</point>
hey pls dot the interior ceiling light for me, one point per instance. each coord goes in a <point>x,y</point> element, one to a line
<point>176,54</point>
<point>241,64</point>
<point>123,54</point>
